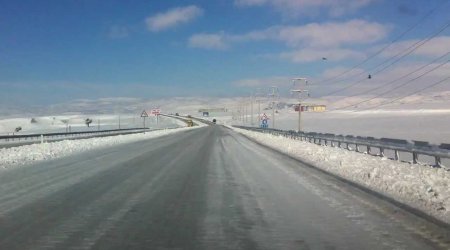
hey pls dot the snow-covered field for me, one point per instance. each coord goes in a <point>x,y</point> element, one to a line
<point>423,125</point>
<point>17,156</point>
<point>423,117</point>
<point>419,117</point>
<point>54,124</point>
<point>419,186</point>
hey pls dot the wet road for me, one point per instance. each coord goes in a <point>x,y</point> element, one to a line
<point>208,188</point>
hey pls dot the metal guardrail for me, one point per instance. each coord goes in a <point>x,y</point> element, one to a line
<point>180,118</point>
<point>185,118</point>
<point>203,121</point>
<point>42,136</point>
<point>350,142</point>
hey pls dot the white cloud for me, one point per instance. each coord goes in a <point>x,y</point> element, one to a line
<point>316,35</point>
<point>311,55</point>
<point>173,17</point>
<point>208,41</point>
<point>333,34</point>
<point>335,71</point>
<point>295,8</point>
<point>250,2</point>
<point>434,48</point>
<point>280,81</point>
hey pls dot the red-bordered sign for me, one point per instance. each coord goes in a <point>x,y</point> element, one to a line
<point>155,111</point>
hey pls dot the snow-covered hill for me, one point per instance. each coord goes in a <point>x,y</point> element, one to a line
<point>419,117</point>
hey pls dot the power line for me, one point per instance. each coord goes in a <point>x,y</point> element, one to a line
<point>393,81</point>
<point>417,45</point>
<point>388,45</point>
<point>397,87</point>
<point>413,93</point>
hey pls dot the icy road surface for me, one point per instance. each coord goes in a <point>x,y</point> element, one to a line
<point>208,188</point>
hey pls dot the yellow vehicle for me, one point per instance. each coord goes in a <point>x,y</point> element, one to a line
<point>190,123</point>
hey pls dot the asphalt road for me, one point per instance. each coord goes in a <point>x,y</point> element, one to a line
<point>208,188</point>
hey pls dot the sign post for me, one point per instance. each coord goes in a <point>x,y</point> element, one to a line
<point>156,112</point>
<point>264,121</point>
<point>144,115</point>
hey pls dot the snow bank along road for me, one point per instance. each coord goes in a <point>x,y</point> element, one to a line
<point>208,188</point>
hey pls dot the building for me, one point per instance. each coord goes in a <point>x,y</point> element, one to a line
<point>212,111</point>
<point>306,107</point>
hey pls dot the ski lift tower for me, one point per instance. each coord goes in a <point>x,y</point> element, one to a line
<point>299,91</point>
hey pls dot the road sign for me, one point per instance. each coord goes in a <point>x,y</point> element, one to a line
<point>264,120</point>
<point>144,114</point>
<point>264,117</point>
<point>155,111</point>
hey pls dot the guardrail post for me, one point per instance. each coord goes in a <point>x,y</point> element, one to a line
<point>396,145</point>
<point>415,157</point>
<point>438,161</point>
<point>42,139</point>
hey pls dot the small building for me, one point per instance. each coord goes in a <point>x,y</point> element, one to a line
<point>311,107</point>
<point>212,111</point>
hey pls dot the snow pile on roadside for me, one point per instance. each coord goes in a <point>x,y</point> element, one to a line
<point>16,156</point>
<point>422,187</point>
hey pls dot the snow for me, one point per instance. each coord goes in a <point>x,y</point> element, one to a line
<point>18,156</point>
<point>419,186</point>
<point>422,125</point>
<point>422,117</point>
<point>55,124</point>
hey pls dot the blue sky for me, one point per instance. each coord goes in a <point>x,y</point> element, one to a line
<point>54,51</point>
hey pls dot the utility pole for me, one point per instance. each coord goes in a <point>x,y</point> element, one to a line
<point>274,96</point>
<point>251,111</point>
<point>239,112</point>
<point>244,111</point>
<point>259,95</point>
<point>299,91</point>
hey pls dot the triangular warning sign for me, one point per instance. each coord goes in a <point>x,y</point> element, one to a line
<point>144,114</point>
